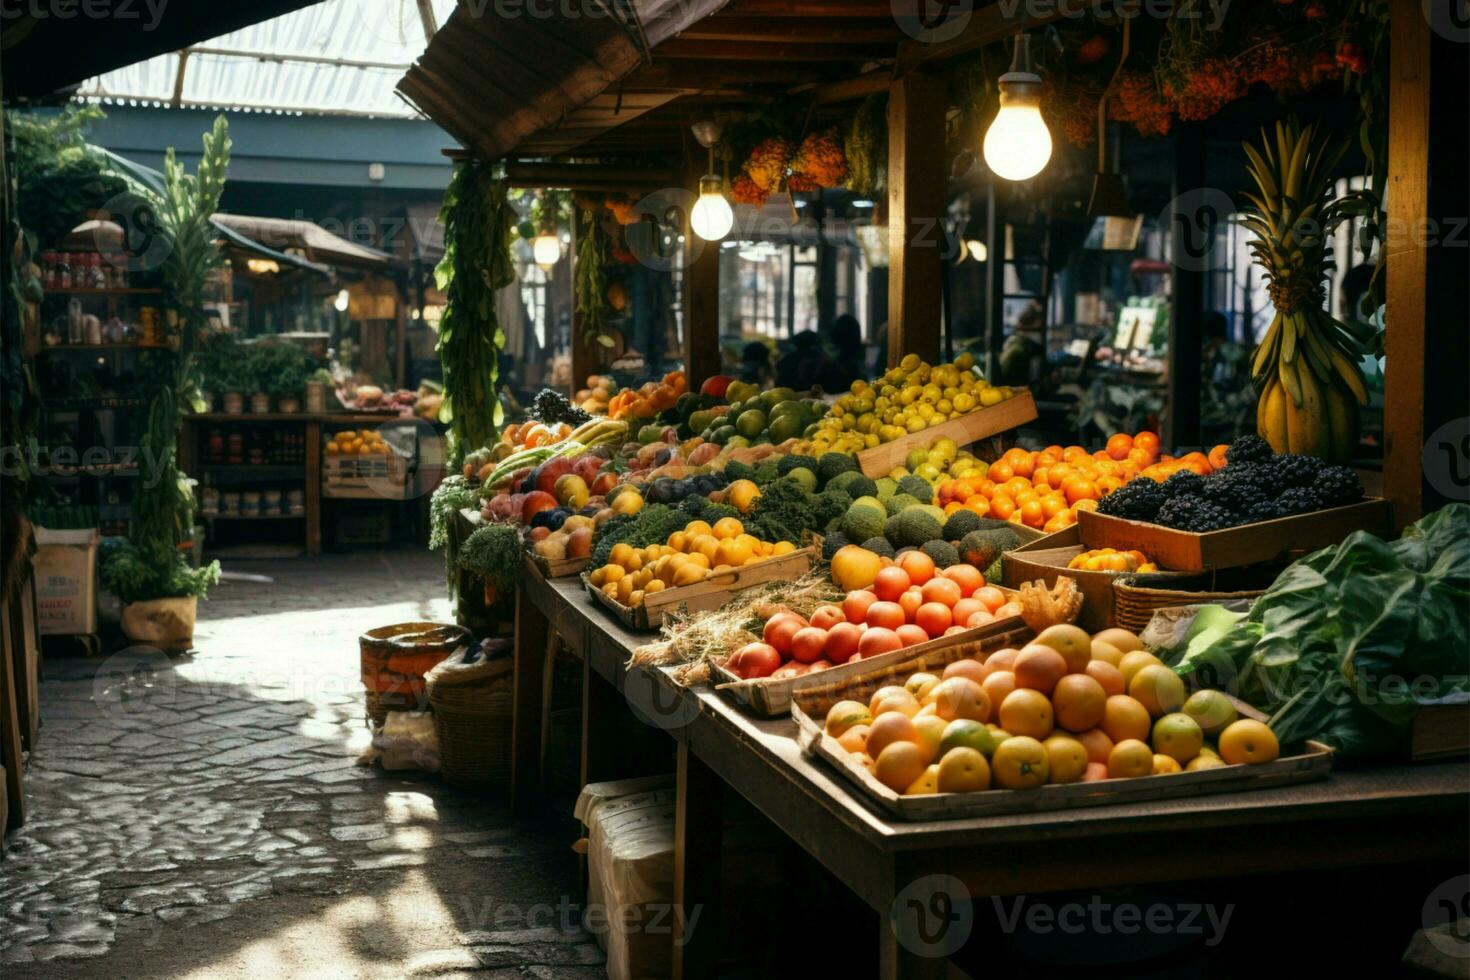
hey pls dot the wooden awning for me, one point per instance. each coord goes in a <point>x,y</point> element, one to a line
<point>560,85</point>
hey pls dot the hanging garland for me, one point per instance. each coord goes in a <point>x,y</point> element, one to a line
<point>478,224</point>
<point>865,143</point>
<point>593,307</point>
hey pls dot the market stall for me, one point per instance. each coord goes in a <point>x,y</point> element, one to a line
<point>913,628</point>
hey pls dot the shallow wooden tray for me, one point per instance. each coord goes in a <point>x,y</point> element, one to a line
<point>1188,551</point>
<point>712,593</point>
<point>969,428</point>
<point>773,698</point>
<point>560,567</point>
<point>1314,762</point>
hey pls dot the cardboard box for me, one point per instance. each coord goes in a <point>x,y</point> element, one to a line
<point>65,566</point>
<point>1045,558</point>
<point>1187,551</point>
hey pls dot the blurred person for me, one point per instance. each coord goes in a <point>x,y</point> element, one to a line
<point>755,364</point>
<point>850,359</point>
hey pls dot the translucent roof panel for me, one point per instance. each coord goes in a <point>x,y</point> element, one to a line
<point>338,57</point>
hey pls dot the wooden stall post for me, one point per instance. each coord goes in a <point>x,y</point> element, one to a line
<point>698,839</point>
<point>532,638</point>
<point>1424,373</point>
<point>916,176</point>
<point>702,357</point>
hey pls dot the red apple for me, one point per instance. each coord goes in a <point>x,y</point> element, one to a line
<point>536,502</point>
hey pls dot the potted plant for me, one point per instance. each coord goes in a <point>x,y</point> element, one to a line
<point>160,599</point>
<point>218,366</point>
<point>284,369</point>
<point>316,391</point>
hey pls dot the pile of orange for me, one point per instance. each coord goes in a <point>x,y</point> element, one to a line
<point>1046,488</point>
<point>651,399</point>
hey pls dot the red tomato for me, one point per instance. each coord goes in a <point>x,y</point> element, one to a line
<point>754,660</point>
<point>877,640</point>
<point>792,669</point>
<point>808,643</point>
<point>966,608</point>
<point>825,617</point>
<point>856,605</point>
<point>842,642</point>
<point>886,614</point>
<point>992,597</point>
<point>945,590</point>
<point>910,602</point>
<point>967,576</point>
<point>779,630</point>
<point>891,583</point>
<point>934,618</point>
<point>911,634</point>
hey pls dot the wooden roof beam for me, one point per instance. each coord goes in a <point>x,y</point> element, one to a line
<point>866,30</point>
<point>763,52</point>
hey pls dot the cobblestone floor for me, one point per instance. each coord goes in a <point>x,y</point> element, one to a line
<point>204,816</point>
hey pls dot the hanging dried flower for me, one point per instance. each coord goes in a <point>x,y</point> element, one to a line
<point>623,210</point>
<point>1071,106</point>
<point>744,190</point>
<point>768,162</point>
<point>821,162</point>
<point>1137,100</point>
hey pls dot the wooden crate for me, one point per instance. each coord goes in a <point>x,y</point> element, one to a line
<point>1019,409</point>
<point>1314,762</point>
<point>712,593</point>
<point>560,567</point>
<point>1441,730</point>
<point>376,476</point>
<point>1187,551</point>
<point>772,698</point>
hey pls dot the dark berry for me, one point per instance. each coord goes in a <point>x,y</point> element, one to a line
<point>1338,485</point>
<point>1298,500</point>
<point>1247,449</point>
<point>1295,470</point>
<point>1185,483</point>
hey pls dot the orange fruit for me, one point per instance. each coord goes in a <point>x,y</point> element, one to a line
<point>846,715</point>
<point>961,697</point>
<point>1120,445</point>
<point>1039,668</point>
<point>899,765</point>
<point>1147,441</point>
<point>1164,765</point>
<point>1135,660</point>
<point>1158,689</point>
<point>1107,675</point>
<point>927,783</point>
<point>911,635</point>
<point>1120,639</point>
<point>930,729</point>
<point>1106,652</point>
<point>1097,744</point>
<point>1248,741</point>
<point>963,770</point>
<point>1124,718</point>
<point>1129,758</point>
<point>998,684</point>
<point>1178,736</point>
<point>855,739</point>
<point>1032,514</point>
<point>1217,456</point>
<point>1066,759</point>
<point>886,729</point>
<point>1026,712</point>
<point>920,684</point>
<point>966,608</point>
<point>1053,504</point>
<point>1095,772</point>
<point>918,566</point>
<point>1002,507</point>
<point>942,590</point>
<point>910,602</point>
<point>1000,660</point>
<point>1079,702</point>
<point>1000,471</point>
<point>1072,642</point>
<point>883,693</point>
<point>992,597</point>
<point>965,667</point>
<point>1021,762</point>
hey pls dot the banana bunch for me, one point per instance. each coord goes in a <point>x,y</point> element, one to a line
<point>1306,367</point>
<point>600,432</point>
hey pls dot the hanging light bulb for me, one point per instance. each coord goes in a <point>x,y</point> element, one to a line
<point>1018,144</point>
<point>546,247</point>
<point>711,217</point>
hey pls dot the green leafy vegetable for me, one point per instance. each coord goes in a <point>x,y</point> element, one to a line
<point>1350,640</point>
<point>133,576</point>
<point>493,553</point>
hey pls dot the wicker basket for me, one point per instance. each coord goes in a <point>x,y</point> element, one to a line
<point>1134,605</point>
<point>471,702</point>
<point>396,658</point>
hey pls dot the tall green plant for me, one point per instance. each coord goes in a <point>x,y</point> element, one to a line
<point>478,224</point>
<point>162,511</point>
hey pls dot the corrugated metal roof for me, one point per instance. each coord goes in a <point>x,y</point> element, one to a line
<point>336,57</point>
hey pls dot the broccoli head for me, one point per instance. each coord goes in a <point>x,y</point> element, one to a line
<point>900,502</point>
<point>783,512</point>
<point>961,523</point>
<point>737,470</point>
<point>911,528</point>
<point>765,473</point>
<point>863,521</point>
<point>918,488</point>
<point>980,548</point>
<point>789,463</point>
<point>831,543</point>
<point>830,505</point>
<point>852,483</point>
<point>942,553</point>
<point>830,465</point>
<point>879,546</point>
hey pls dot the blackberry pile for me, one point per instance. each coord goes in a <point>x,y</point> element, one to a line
<point>1255,485</point>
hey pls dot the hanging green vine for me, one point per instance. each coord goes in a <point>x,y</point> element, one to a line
<point>593,308</point>
<point>865,141</point>
<point>478,224</point>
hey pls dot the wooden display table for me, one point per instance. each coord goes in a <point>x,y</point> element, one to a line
<point>1350,815</point>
